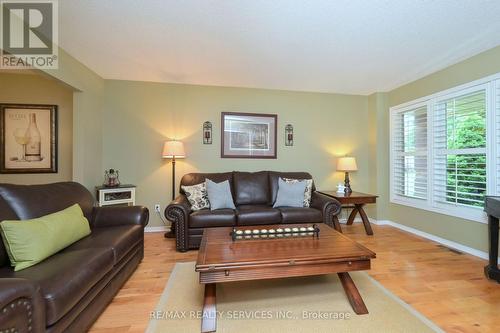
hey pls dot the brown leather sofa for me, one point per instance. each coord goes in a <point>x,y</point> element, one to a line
<point>68,291</point>
<point>254,194</point>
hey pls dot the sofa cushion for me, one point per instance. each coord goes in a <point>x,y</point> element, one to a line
<point>300,215</point>
<point>273,181</point>
<point>32,201</point>
<point>6,213</point>
<point>28,242</point>
<point>197,196</point>
<point>257,214</point>
<point>307,192</point>
<point>121,239</point>
<point>251,188</point>
<point>212,218</point>
<point>219,195</point>
<point>290,194</point>
<point>191,179</point>
<point>66,277</point>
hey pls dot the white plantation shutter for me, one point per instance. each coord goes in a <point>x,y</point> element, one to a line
<point>409,145</point>
<point>459,150</point>
<point>445,150</point>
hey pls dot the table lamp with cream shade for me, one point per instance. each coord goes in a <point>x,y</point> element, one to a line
<point>173,149</point>
<point>347,164</point>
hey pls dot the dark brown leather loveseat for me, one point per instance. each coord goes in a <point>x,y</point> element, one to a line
<point>67,291</point>
<point>254,194</point>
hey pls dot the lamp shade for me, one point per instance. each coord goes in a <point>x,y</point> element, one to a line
<point>173,149</point>
<point>347,164</point>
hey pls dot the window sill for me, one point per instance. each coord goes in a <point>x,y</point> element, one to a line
<point>463,213</point>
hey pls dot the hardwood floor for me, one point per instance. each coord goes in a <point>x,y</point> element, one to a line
<point>447,287</point>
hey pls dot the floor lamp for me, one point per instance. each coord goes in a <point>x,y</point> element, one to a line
<point>173,150</point>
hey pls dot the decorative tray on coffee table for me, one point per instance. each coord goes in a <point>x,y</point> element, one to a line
<point>273,233</point>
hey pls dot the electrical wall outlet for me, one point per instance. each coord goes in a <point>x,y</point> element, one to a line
<point>157,208</point>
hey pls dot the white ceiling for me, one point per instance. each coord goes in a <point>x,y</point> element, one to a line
<point>343,46</point>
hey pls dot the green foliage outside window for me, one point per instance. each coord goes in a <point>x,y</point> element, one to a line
<point>466,129</point>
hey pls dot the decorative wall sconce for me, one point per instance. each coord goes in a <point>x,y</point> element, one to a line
<point>289,135</point>
<point>207,133</point>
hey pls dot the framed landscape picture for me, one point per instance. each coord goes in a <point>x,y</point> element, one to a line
<point>28,138</point>
<point>248,135</point>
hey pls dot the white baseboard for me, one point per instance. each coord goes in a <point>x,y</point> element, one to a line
<point>157,229</point>
<point>437,239</point>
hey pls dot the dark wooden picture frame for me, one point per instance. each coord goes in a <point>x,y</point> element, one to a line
<point>268,122</point>
<point>50,144</point>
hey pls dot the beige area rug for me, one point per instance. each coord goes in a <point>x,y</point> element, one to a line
<point>305,304</point>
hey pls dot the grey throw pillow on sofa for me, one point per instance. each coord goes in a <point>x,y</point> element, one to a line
<point>290,194</point>
<point>308,190</point>
<point>219,195</point>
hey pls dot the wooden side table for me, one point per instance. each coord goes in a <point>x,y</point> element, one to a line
<point>356,200</point>
<point>117,195</point>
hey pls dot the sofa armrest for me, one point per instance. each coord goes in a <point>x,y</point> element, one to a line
<point>22,308</point>
<point>330,207</point>
<point>178,212</point>
<point>110,216</point>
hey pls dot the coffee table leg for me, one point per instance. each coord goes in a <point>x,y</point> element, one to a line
<point>209,318</point>
<point>352,294</point>
<point>336,224</point>
<point>366,221</point>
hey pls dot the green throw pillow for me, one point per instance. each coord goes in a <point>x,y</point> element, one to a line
<point>30,241</point>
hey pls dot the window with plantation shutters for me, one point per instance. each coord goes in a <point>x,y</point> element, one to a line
<point>409,142</point>
<point>460,165</point>
<point>445,150</point>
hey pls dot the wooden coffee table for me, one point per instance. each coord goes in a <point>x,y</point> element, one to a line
<point>220,259</point>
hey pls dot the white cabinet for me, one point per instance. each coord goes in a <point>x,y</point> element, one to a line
<point>119,195</point>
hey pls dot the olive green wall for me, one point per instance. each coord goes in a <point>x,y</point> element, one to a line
<point>139,116</point>
<point>87,117</point>
<point>469,233</point>
<point>31,88</point>
<point>379,150</point>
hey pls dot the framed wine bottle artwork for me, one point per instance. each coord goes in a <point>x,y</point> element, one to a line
<point>28,138</point>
